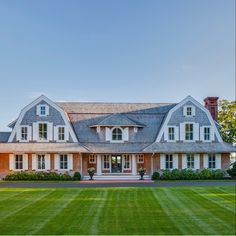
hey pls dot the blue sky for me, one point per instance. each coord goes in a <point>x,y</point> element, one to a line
<point>115,51</point>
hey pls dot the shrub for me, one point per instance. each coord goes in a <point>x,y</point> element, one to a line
<point>77,176</point>
<point>175,174</point>
<point>188,174</point>
<point>205,174</point>
<point>166,175</point>
<point>41,175</point>
<point>155,175</point>
<point>232,171</point>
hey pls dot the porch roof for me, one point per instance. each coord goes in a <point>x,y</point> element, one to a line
<point>42,147</point>
<point>116,147</point>
<point>191,147</point>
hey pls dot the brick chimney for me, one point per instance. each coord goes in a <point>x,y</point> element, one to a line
<point>211,103</point>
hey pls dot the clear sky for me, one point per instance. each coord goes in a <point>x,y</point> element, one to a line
<point>115,51</point>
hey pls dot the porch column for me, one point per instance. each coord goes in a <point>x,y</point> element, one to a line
<point>99,165</point>
<point>152,163</point>
<point>134,165</point>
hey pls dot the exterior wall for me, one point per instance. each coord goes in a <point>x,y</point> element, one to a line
<point>180,158</point>
<point>225,161</point>
<point>178,117</point>
<point>4,164</point>
<point>31,116</point>
<point>201,160</point>
<point>156,162</point>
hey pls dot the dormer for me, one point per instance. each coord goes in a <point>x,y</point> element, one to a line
<point>117,127</point>
<point>189,121</point>
<point>42,121</point>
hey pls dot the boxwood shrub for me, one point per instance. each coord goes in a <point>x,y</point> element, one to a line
<point>189,174</point>
<point>41,175</point>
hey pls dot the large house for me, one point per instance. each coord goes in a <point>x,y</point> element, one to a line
<point>115,138</point>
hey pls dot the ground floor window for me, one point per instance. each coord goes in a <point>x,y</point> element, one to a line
<point>63,162</point>
<point>211,161</point>
<point>106,162</point>
<point>190,161</point>
<point>169,161</point>
<point>127,159</point>
<point>92,159</point>
<point>41,162</point>
<point>140,158</point>
<point>19,162</point>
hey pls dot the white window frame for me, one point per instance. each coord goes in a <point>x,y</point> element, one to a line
<point>122,135</point>
<point>15,162</point>
<point>109,161</point>
<point>212,161</point>
<point>191,156</point>
<point>37,162</point>
<point>129,156</point>
<point>63,161</point>
<point>167,156</point>
<point>19,133</point>
<point>186,111</point>
<point>92,158</point>
<point>43,123</point>
<point>168,133</point>
<point>58,133</point>
<point>140,158</point>
<point>189,140</point>
<point>209,134</point>
<point>39,110</point>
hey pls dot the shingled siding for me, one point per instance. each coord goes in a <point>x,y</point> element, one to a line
<point>178,117</point>
<point>4,164</point>
<point>31,116</point>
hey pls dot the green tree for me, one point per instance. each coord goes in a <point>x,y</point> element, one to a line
<point>227,120</point>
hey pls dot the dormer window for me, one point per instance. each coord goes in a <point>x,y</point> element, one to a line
<point>43,131</point>
<point>61,133</point>
<point>117,134</point>
<point>171,133</point>
<point>189,111</point>
<point>206,133</point>
<point>24,133</point>
<point>42,110</point>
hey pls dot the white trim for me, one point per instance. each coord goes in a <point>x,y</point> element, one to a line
<point>134,165</point>
<point>94,156</point>
<point>123,161</point>
<point>192,110</point>
<point>179,105</point>
<point>19,134</point>
<point>38,110</point>
<point>51,103</point>
<point>99,165</point>
<point>137,157</point>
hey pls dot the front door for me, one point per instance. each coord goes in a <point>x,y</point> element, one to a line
<point>116,164</point>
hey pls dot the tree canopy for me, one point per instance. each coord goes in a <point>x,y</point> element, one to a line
<point>227,120</point>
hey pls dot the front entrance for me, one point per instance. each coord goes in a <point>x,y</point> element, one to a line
<point>116,164</point>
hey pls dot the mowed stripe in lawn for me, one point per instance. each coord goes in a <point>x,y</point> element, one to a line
<point>173,210</point>
<point>80,216</point>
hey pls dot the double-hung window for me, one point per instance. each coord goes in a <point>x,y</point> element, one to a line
<point>212,161</point>
<point>189,131</point>
<point>92,159</point>
<point>171,133</point>
<point>117,134</point>
<point>206,133</point>
<point>43,131</point>
<point>140,158</point>
<point>190,161</point>
<point>127,159</point>
<point>24,133</point>
<point>61,133</point>
<point>169,161</point>
<point>106,162</point>
<point>63,162</point>
<point>41,162</point>
<point>18,162</point>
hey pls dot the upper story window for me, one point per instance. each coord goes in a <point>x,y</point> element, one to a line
<point>24,133</point>
<point>43,131</point>
<point>61,133</point>
<point>42,110</point>
<point>117,134</point>
<point>171,133</point>
<point>188,131</point>
<point>189,111</point>
<point>206,133</point>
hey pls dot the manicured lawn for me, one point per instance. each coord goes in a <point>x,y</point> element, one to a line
<point>171,210</point>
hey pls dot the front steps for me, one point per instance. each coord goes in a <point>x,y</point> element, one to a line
<point>116,177</point>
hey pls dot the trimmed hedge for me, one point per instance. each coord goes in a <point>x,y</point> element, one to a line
<point>232,171</point>
<point>41,175</point>
<point>188,174</point>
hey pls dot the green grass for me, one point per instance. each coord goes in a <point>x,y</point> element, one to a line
<point>171,210</point>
